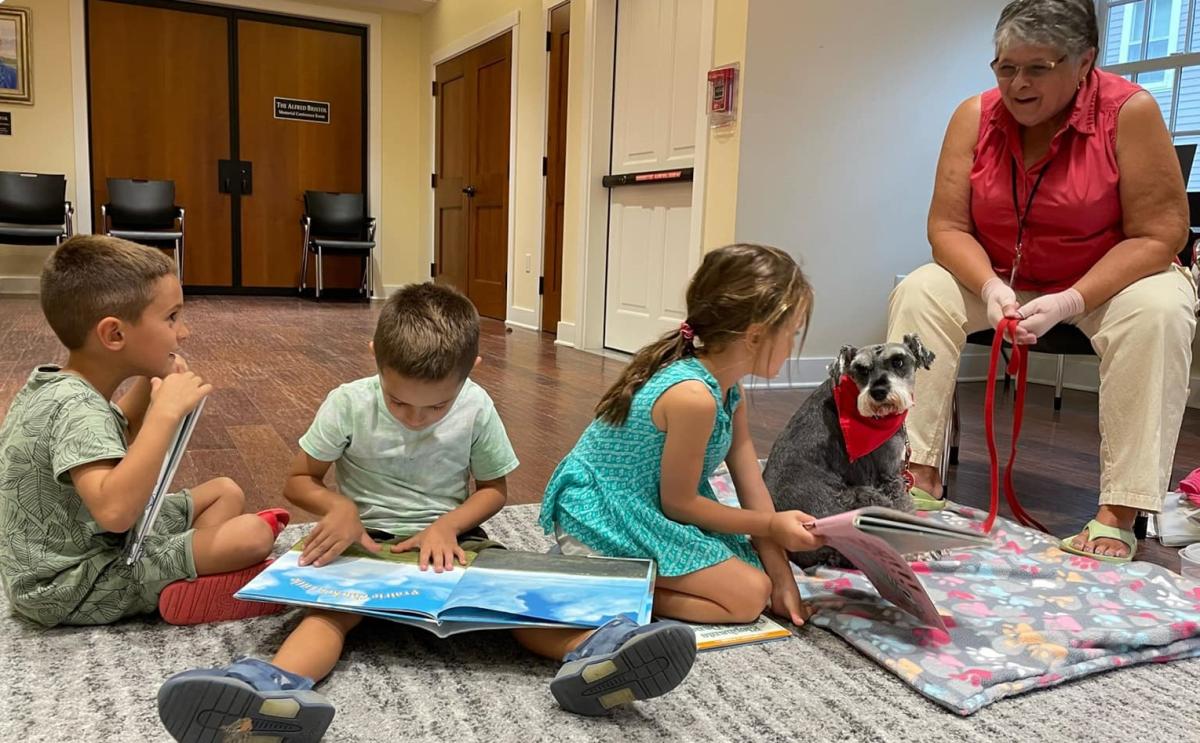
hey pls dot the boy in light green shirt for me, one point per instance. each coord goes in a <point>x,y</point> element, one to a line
<point>407,443</point>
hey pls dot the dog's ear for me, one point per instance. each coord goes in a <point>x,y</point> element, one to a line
<point>841,365</point>
<point>922,354</point>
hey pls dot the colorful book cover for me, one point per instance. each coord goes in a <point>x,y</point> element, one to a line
<point>498,589</point>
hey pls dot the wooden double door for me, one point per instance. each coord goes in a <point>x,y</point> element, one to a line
<point>244,112</point>
<point>471,160</point>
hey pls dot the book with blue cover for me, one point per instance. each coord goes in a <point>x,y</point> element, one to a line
<point>499,589</point>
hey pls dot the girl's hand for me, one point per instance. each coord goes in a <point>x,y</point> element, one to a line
<point>789,529</point>
<point>786,602</point>
<point>338,529</point>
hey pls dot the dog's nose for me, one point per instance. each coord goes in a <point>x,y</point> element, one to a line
<point>879,394</point>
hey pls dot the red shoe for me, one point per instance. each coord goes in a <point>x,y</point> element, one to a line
<point>209,598</point>
<point>276,518</point>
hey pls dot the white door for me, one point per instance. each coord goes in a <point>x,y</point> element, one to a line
<point>651,251</point>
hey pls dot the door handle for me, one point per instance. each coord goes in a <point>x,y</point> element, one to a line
<point>469,191</point>
<point>246,170</point>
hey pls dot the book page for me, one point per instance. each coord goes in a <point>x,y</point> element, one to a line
<point>354,582</point>
<point>558,589</point>
<point>881,564</point>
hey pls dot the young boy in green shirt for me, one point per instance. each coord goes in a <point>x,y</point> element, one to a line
<point>76,470</point>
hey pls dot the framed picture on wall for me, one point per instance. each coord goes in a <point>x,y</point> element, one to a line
<point>15,73</point>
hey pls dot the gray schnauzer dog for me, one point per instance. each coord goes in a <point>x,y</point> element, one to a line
<point>810,469</point>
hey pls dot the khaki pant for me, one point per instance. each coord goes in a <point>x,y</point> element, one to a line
<point>1143,337</point>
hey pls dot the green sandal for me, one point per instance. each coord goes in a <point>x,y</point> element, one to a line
<point>1097,530</point>
<point>926,502</point>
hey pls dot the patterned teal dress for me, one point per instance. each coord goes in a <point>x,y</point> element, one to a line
<point>606,492</point>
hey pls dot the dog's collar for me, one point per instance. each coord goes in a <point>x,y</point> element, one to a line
<point>862,434</point>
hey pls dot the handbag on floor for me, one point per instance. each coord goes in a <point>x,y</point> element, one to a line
<point>1173,524</point>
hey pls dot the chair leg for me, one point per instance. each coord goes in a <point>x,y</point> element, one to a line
<point>303,269</point>
<point>179,260</point>
<point>320,273</point>
<point>1058,383</point>
<point>956,424</point>
<point>366,275</point>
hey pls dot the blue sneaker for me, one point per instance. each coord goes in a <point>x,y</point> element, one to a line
<point>247,700</point>
<point>621,662</point>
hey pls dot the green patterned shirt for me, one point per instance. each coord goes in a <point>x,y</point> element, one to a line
<point>51,549</point>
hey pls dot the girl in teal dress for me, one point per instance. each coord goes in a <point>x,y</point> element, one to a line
<point>636,483</point>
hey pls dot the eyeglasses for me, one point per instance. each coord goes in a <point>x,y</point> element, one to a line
<point>1033,70</point>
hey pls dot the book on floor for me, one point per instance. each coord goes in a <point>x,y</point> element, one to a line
<point>499,589</point>
<point>875,539</point>
<point>137,536</point>
<point>721,636</point>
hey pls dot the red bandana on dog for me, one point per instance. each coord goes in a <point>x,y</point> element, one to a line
<point>863,435</point>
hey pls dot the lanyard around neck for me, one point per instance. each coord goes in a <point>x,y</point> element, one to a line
<point>1023,216</point>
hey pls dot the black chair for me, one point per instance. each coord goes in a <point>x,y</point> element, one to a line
<point>145,212</point>
<point>34,209</point>
<point>336,224</point>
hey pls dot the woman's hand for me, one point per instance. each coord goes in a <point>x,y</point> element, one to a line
<point>1048,310</point>
<point>1000,299</point>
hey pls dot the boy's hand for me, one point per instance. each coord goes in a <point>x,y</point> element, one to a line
<point>176,395</point>
<point>338,529</point>
<point>439,546</point>
<point>789,530</point>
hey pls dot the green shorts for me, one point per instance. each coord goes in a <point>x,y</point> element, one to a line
<point>121,590</point>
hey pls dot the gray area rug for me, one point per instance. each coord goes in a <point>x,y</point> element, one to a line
<point>397,683</point>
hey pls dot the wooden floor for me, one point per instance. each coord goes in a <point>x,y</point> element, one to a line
<point>273,360</point>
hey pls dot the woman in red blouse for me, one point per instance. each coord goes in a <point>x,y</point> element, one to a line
<point>1059,199</point>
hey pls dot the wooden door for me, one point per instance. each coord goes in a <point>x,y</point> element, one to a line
<point>556,166</point>
<point>291,156</point>
<point>472,157</point>
<point>159,85</point>
<point>452,173</point>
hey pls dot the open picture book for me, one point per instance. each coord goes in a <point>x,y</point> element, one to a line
<point>875,540</point>
<point>137,536</point>
<point>499,589</point>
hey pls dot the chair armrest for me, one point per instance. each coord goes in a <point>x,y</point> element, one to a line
<point>370,228</point>
<point>68,218</point>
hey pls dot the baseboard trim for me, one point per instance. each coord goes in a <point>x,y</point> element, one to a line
<point>566,335</point>
<point>20,284</point>
<point>511,323</point>
<point>523,317</point>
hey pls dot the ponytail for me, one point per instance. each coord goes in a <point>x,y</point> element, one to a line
<point>613,408</point>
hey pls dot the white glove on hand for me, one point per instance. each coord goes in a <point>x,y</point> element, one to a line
<point>1049,310</point>
<point>1000,299</point>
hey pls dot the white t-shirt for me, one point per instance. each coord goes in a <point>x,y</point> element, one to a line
<point>403,480</point>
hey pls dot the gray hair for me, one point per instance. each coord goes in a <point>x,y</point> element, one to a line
<point>1067,25</point>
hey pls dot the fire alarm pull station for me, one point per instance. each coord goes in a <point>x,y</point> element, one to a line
<point>722,95</point>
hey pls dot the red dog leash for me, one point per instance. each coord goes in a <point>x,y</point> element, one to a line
<point>1018,367</point>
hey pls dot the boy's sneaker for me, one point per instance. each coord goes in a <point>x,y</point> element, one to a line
<point>621,662</point>
<point>209,598</point>
<point>249,700</point>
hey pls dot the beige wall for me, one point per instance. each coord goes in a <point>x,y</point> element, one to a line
<point>721,177</point>
<point>43,139</point>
